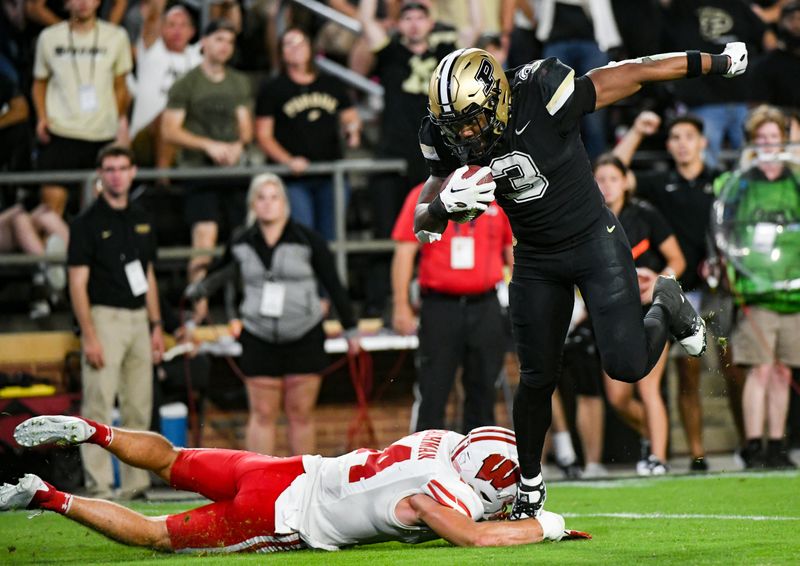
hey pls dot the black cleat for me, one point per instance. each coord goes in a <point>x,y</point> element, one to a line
<point>685,324</point>
<point>529,502</point>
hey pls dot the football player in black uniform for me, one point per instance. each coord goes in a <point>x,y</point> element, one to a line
<point>523,126</point>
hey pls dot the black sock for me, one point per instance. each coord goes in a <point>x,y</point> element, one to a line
<point>656,331</point>
<point>532,415</point>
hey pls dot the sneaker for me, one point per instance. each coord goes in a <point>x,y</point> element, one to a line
<point>55,273</point>
<point>51,428</point>
<point>777,456</point>
<point>754,455</point>
<point>571,471</point>
<point>593,470</point>
<point>685,324</point>
<point>657,467</point>
<point>39,309</point>
<point>698,465</point>
<point>643,467</point>
<point>19,496</point>
<point>529,502</point>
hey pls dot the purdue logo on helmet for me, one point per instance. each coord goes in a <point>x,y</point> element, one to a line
<point>468,100</point>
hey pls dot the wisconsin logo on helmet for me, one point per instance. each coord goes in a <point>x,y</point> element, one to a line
<point>487,460</point>
<point>468,100</point>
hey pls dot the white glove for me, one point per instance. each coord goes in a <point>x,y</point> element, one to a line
<point>552,525</point>
<point>737,51</point>
<point>466,194</point>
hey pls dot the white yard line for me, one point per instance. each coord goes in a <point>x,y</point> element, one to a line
<point>682,516</point>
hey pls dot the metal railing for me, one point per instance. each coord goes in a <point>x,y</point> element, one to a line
<point>337,169</point>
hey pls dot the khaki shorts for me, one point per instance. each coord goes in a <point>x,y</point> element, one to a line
<point>761,336</point>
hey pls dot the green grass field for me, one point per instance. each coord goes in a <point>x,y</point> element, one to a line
<point>715,519</point>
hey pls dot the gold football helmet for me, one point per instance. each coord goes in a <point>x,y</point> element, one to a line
<point>468,99</point>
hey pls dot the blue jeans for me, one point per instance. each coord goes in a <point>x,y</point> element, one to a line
<point>722,121</point>
<point>311,199</point>
<point>583,56</point>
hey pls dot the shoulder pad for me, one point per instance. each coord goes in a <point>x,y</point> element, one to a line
<point>556,83</point>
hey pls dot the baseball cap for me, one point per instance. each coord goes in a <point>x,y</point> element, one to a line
<point>218,25</point>
<point>414,6</point>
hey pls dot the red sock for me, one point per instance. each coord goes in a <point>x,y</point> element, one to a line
<point>52,500</point>
<point>102,436</point>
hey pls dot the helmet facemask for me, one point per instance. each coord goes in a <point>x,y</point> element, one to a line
<point>482,120</point>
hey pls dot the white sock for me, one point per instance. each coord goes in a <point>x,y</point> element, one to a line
<point>531,482</point>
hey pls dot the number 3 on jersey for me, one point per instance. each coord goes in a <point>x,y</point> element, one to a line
<point>377,461</point>
<point>520,170</point>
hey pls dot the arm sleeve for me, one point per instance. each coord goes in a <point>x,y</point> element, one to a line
<point>325,269</point>
<point>80,250</point>
<point>41,69</point>
<point>456,495</point>
<point>178,98</point>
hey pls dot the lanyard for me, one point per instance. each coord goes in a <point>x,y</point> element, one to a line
<point>93,55</point>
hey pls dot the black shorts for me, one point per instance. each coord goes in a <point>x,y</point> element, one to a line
<point>68,154</point>
<point>215,201</point>
<point>266,359</point>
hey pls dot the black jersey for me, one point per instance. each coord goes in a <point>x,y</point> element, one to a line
<point>544,178</point>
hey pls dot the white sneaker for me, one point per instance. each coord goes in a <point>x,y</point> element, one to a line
<point>643,468</point>
<point>52,428</point>
<point>593,470</point>
<point>19,496</point>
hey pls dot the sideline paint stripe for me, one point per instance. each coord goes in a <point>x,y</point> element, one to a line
<point>682,516</point>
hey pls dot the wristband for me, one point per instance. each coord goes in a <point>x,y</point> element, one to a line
<point>719,65</point>
<point>694,64</point>
<point>437,210</point>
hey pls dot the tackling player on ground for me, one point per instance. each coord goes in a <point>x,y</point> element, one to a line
<point>523,127</point>
<point>431,484</point>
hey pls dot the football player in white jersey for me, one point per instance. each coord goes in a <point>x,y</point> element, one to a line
<point>427,485</point>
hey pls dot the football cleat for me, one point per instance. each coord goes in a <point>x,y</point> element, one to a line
<point>51,428</point>
<point>529,502</point>
<point>688,327</point>
<point>19,495</point>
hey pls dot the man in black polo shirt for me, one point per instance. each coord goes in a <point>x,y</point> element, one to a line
<point>684,195</point>
<point>114,296</point>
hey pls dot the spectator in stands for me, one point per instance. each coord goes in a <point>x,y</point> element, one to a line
<point>684,195</point>
<point>300,116</point>
<point>403,63</point>
<point>15,138</point>
<point>280,263</point>
<point>460,323</point>
<point>523,45</point>
<point>768,327</point>
<point>208,117</point>
<point>775,76</point>
<point>114,297</point>
<point>655,252</point>
<point>720,103</point>
<point>79,92</point>
<point>163,55</point>
<point>580,34</point>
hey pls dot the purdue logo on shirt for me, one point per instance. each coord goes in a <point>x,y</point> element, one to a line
<point>142,228</point>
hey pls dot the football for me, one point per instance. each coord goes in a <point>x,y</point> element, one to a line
<point>467,215</point>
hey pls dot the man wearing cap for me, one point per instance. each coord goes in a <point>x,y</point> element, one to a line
<point>208,117</point>
<point>403,64</point>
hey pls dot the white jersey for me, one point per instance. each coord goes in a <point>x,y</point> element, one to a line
<point>157,69</point>
<point>352,499</point>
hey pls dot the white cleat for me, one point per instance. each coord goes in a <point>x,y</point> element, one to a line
<point>18,496</point>
<point>52,428</point>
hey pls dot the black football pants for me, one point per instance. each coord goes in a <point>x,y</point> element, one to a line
<point>600,263</point>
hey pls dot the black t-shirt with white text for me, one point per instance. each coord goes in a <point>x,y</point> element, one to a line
<point>306,116</point>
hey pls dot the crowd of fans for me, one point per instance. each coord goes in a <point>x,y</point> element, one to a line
<point>174,82</point>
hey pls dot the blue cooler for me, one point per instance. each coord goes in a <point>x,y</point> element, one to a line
<point>174,417</point>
